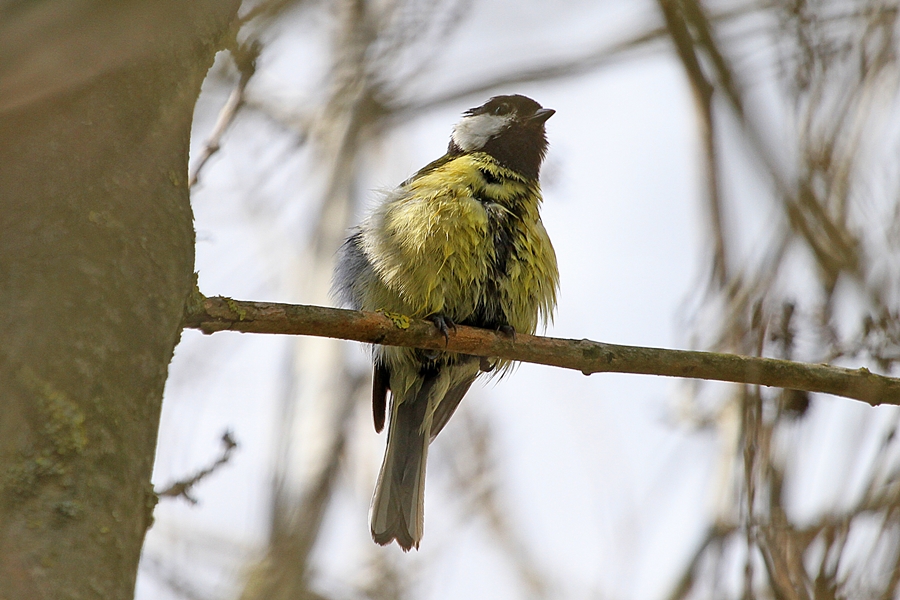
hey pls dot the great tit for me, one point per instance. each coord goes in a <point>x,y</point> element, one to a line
<point>459,242</point>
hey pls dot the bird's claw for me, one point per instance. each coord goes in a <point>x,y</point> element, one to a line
<point>508,330</point>
<point>444,325</point>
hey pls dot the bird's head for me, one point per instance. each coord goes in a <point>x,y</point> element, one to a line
<point>509,128</point>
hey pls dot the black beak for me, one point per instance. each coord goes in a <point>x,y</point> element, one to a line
<point>541,115</point>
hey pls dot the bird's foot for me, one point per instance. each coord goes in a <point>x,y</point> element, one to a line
<point>508,330</point>
<point>444,325</point>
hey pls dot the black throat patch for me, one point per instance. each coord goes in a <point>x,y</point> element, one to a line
<point>521,148</point>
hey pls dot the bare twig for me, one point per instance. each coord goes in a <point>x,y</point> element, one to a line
<point>245,56</point>
<point>183,487</point>
<point>218,314</point>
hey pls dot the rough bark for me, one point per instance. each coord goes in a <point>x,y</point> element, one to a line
<point>96,261</point>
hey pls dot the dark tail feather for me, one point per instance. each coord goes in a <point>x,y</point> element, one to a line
<point>380,386</point>
<point>448,405</point>
<point>399,502</point>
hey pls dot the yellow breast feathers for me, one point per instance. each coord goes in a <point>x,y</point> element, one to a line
<point>464,240</point>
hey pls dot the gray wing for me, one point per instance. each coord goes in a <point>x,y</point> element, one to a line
<point>352,271</point>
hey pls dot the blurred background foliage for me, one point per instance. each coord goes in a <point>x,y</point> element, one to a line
<point>793,150</point>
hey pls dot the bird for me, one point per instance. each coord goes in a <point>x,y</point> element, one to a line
<point>459,242</point>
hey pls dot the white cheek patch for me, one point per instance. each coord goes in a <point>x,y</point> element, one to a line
<point>473,133</point>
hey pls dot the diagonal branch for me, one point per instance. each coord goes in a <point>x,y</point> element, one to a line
<point>245,56</point>
<point>219,314</point>
<point>703,89</point>
<point>183,487</point>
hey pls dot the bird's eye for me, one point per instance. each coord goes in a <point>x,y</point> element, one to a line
<point>502,109</point>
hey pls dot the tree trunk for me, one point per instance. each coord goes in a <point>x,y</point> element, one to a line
<point>96,261</point>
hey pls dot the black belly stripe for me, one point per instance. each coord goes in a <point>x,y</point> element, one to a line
<point>502,218</point>
<point>489,178</point>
